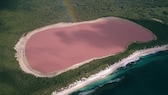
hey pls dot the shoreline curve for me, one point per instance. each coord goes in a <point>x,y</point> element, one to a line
<point>20,48</point>
<point>109,70</point>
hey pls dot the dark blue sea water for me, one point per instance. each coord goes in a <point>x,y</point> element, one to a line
<point>149,76</point>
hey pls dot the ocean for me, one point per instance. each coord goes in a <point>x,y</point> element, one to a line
<point>147,76</point>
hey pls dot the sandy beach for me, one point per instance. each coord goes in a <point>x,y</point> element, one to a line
<point>27,68</point>
<point>131,58</point>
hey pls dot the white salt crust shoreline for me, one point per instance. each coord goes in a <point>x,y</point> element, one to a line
<point>109,70</point>
<point>20,48</point>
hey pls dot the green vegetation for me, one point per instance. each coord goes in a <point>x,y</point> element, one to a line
<point>21,16</point>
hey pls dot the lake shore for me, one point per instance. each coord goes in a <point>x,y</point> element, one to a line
<point>131,58</point>
<point>21,45</point>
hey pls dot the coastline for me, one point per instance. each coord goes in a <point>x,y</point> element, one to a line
<point>131,58</point>
<point>20,56</point>
<point>20,48</point>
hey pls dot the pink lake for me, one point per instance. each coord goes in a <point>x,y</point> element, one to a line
<point>56,49</point>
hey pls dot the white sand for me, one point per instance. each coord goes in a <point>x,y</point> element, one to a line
<point>158,20</point>
<point>85,81</point>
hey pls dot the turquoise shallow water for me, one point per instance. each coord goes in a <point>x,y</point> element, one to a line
<point>149,76</point>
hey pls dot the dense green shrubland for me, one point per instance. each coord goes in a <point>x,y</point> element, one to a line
<point>21,16</point>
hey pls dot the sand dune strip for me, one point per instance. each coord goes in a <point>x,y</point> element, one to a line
<point>131,58</point>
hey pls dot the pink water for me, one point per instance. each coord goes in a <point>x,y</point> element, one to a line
<point>56,49</point>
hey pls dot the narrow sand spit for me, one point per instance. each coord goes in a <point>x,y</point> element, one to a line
<point>31,54</point>
<point>85,81</point>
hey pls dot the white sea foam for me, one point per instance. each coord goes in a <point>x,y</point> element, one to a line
<point>133,57</point>
<point>87,92</point>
